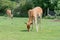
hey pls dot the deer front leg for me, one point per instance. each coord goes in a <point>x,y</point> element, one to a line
<point>32,24</point>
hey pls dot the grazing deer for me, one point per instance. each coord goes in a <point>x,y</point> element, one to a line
<point>35,15</point>
<point>8,11</point>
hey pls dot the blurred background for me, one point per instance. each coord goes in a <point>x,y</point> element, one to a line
<point>20,8</point>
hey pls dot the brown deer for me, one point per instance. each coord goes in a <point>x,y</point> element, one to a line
<point>8,11</point>
<point>35,16</point>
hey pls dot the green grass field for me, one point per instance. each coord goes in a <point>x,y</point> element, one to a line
<point>15,29</point>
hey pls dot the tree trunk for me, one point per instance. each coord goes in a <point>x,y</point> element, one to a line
<point>48,11</point>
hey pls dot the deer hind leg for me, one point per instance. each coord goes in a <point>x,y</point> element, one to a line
<point>36,23</point>
<point>39,21</point>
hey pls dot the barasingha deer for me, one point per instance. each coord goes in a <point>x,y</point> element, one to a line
<point>35,16</point>
<point>9,13</point>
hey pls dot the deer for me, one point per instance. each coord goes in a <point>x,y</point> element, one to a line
<point>35,15</point>
<point>9,13</point>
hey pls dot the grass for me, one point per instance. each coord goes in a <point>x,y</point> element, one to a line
<point>15,29</point>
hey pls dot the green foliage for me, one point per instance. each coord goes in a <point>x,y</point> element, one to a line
<point>57,9</point>
<point>57,12</point>
<point>58,17</point>
<point>49,17</point>
<point>21,7</point>
<point>6,4</point>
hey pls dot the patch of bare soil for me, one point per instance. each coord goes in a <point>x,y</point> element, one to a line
<point>56,20</point>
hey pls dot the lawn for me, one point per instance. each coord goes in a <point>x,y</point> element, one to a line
<point>15,29</point>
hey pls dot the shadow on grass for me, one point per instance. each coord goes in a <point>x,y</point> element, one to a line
<point>24,31</point>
